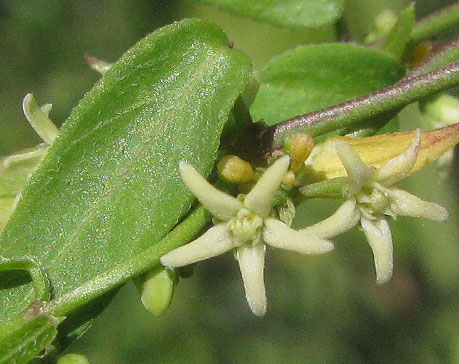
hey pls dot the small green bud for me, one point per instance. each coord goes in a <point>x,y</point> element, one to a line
<point>73,359</point>
<point>156,289</point>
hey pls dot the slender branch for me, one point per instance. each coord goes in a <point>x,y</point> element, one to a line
<point>352,112</point>
<point>435,23</point>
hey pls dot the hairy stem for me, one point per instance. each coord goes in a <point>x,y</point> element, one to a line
<point>357,110</point>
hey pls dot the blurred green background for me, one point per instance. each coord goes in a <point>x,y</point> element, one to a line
<point>324,309</point>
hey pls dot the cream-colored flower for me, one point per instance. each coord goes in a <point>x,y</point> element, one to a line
<point>372,195</point>
<point>247,224</point>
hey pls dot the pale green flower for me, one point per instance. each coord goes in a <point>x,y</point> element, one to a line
<point>247,224</point>
<point>372,195</point>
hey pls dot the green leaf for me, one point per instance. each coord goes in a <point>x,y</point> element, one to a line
<point>25,337</point>
<point>109,188</point>
<point>400,35</point>
<point>313,77</point>
<point>284,13</point>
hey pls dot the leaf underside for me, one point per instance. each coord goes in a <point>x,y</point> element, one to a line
<point>109,187</point>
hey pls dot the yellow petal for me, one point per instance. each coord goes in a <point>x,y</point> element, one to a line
<point>377,150</point>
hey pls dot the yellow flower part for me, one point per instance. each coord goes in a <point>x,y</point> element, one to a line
<point>375,151</point>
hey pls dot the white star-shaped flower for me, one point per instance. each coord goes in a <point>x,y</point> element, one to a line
<point>372,195</point>
<point>246,225</point>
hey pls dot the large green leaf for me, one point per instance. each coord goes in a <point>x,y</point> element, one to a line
<point>109,188</point>
<point>284,13</point>
<point>313,77</point>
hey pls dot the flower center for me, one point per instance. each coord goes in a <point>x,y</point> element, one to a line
<point>246,226</point>
<point>373,200</point>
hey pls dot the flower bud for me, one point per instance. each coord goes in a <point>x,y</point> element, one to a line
<point>72,359</point>
<point>235,170</point>
<point>301,145</point>
<point>156,289</point>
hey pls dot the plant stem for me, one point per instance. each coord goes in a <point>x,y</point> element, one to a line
<point>435,23</point>
<point>352,112</point>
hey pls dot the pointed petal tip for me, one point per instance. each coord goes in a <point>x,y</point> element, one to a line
<point>383,277</point>
<point>443,214</point>
<point>260,198</point>
<point>167,262</point>
<point>183,165</point>
<point>258,308</point>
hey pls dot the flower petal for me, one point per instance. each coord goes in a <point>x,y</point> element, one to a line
<point>397,168</point>
<point>406,204</point>
<point>260,198</point>
<point>380,240</point>
<point>345,218</point>
<point>252,262</point>
<point>359,173</point>
<point>215,241</point>
<point>220,204</point>
<point>279,235</point>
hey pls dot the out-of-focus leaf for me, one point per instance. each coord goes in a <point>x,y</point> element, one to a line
<point>400,35</point>
<point>284,13</point>
<point>313,77</point>
<point>13,178</point>
<point>109,187</point>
